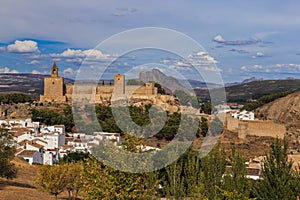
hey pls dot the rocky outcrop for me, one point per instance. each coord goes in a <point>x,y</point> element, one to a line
<point>167,82</point>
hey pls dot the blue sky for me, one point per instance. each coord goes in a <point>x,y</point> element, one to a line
<point>241,38</point>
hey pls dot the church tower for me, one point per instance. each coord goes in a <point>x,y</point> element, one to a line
<point>53,87</point>
<point>54,70</point>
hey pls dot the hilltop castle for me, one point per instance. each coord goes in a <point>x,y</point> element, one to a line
<point>56,91</point>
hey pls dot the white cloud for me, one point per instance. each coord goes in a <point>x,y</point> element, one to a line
<point>273,68</point>
<point>6,70</point>
<point>69,72</point>
<point>258,54</point>
<point>35,72</point>
<point>71,53</point>
<point>200,60</point>
<point>26,46</point>
<point>2,48</point>
<point>33,62</point>
<point>219,38</point>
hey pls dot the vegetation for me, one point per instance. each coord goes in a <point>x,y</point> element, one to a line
<point>264,100</point>
<point>279,179</point>
<point>14,98</point>
<point>74,157</point>
<point>160,89</point>
<point>189,177</point>
<point>206,108</point>
<point>186,99</point>
<point>52,179</point>
<point>51,117</point>
<point>135,82</point>
<point>7,151</point>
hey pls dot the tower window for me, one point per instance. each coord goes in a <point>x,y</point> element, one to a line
<point>53,82</point>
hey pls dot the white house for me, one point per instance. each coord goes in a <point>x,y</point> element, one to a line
<point>114,137</point>
<point>20,134</point>
<point>243,115</point>
<point>79,144</point>
<point>54,140</point>
<point>31,156</point>
<point>34,147</point>
<point>48,158</point>
<point>56,128</point>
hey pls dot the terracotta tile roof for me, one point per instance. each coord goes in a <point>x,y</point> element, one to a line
<point>35,140</point>
<point>67,146</point>
<point>19,133</point>
<point>69,139</point>
<point>19,129</point>
<point>59,126</point>
<point>253,171</point>
<point>37,146</point>
<point>23,142</point>
<point>18,150</point>
<point>26,153</point>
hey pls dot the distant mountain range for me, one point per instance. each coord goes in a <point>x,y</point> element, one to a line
<point>32,84</point>
<point>252,88</point>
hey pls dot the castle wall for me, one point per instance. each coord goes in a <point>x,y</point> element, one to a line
<point>56,90</point>
<point>261,128</point>
<point>232,123</point>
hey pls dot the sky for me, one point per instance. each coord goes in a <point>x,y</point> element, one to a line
<point>238,39</point>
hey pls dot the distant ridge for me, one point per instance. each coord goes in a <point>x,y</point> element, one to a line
<point>32,84</point>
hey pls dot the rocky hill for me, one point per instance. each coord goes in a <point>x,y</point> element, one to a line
<point>283,110</point>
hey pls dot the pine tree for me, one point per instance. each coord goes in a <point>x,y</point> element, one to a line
<point>278,176</point>
<point>7,151</point>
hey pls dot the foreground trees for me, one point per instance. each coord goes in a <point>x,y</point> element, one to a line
<point>189,177</point>
<point>7,151</point>
<point>279,179</point>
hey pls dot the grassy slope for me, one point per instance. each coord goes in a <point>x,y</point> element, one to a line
<point>23,187</point>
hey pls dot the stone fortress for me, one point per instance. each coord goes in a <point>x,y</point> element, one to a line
<point>260,128</point>
<point>56,91</point>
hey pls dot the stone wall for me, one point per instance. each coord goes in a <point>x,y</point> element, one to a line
<point>260,128</point>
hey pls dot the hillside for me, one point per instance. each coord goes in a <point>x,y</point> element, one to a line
<point>32,84</point>
<point>284,110</point>
<point>23,187</point>
<point>253,90</point>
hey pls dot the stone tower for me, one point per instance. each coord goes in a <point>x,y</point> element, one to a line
<point>53,87</point>
<point>119,83</point>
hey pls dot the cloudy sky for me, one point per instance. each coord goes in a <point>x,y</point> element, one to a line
<point>240,39</point>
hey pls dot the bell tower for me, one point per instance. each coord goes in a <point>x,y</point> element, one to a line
<point>54,71</point>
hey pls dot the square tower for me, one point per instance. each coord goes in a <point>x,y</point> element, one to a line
<point>53,87</point>
<point>119,84</point>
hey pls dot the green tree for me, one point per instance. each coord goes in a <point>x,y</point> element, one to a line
<point>14,98</point>
<point>206,108</point>
<point>278,176</point>
<point>215,127</point>
<point>160,89</point>
<point>74,157</point>
<point>213,168</point>
<point>174,184</point>
<point>7,153</point>
<point>235,180</point>
<point>203,126</point>
<point>74,184</point>
<point>52,179</point>
<point>105,183</point>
